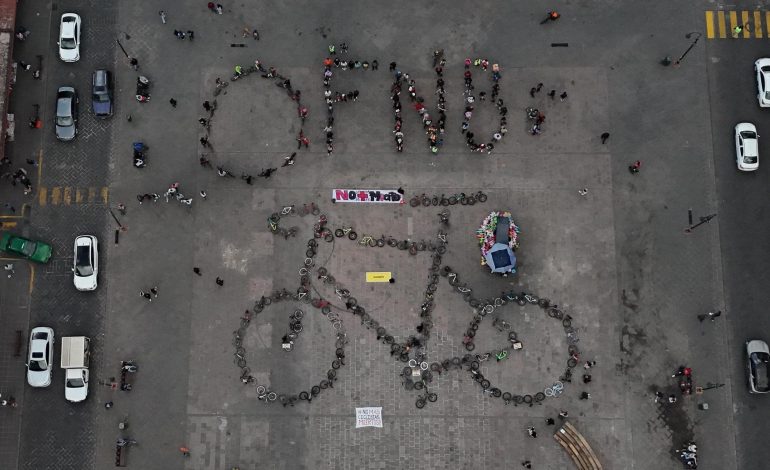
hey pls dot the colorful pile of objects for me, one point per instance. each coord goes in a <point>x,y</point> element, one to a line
<point>498,238</point>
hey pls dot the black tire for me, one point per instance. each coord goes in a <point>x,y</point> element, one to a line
<point>324,384</point>
<point>425,201</point>
<point>475,365</point>
<point>444,201</point>
<point>544,303</point>
<point>471,200</point>
<point>419,385</point>
<point>329,237</point>
<point>310,253</point>
<point>485,384</point>
<point>404,357</point>
<point>315,390</point>
<point>414,202</point>
<point>496,392</point>
<point>512,336</point>
<point>331,374</point>
<point>336,364</point>
<point>371,243</point>
<point>392,242</point>
<point>312,243</point>
<point>412,249</point>
<point>507,396</point>
<point>573,350</point>
<point>441,249</point>
<point>527,399</point>
<point>481,197</point>
<point>389,339</point>
<point>445,271</point>
<point>452,200</point>
<point>518,399</point>
<point>435,367</point>
<point>432,397</point>
<point>427,376</point>
<point>571,362</point>
<point>456,361</point>
<point>434,200</point>
<point>470,333</point>
<point>464,200</point>
<point>303,395</point>
<point>566,323</point>
<point>421,246</point>
<point>339,233</point>
<point>352,235</point>
<point>521,301</point>
<point>420,403</point>
<point>446,364</point>
<point>380,242</point>
<point>352,301</point>
<point>470,346</point>
<point>539,396</point>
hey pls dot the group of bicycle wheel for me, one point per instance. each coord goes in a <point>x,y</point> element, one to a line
<point>462,198</point>
<point>419,374</point>
<point>470,100</point>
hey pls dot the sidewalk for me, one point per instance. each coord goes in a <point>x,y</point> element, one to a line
<point>14,316</point>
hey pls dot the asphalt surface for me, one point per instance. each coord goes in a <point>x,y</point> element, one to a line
<point>618,257</point>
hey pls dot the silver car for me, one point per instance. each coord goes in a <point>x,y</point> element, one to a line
<point>40,358</point>
<point>66,113</point>
<point>758,356</point>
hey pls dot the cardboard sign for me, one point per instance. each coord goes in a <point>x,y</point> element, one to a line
<point>367,195</point>
<point>369,417</point>
<point>378,276</point>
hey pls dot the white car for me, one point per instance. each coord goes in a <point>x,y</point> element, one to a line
<point>86,266</point>
<point>746,146</point>
<point>759,374</point>
<point>39,365</point>
<point>69,37</point>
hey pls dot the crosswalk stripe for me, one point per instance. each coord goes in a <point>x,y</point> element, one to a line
<point>42,196</point>
<point>722,29</point>
<point>757,24</point>
<point>68,195</point>
<point>710,24</point>
<point>745,24</point>
<point>733,21</point>
<point>56,195</point>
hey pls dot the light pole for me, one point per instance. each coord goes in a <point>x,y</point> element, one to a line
<point>688,36</point>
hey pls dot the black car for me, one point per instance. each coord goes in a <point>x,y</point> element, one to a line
<point>101,93</point>
<point>66,113</point>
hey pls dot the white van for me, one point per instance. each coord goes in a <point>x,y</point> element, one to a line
<point>75,358</point>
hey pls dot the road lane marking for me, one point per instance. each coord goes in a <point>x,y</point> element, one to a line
<point>710,24</point>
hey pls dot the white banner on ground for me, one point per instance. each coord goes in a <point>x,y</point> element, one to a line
<point>367,195</point>
<point>370,416</point>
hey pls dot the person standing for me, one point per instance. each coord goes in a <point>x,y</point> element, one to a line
<point>220,282</point>
<point>605,136</point>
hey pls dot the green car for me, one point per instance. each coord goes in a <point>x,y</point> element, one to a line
<point>36,251</point>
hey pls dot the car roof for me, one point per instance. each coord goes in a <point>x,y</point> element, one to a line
<point>757,345</point>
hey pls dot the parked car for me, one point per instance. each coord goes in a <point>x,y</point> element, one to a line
<point>32,250</point>
<point>39,366</point>
<point>746,146</point>
<point>69,37</point>
<point>66,113</point>
<point>86,265</point>
<point>762,68</point>
<point>75,359</point>
<point>759,375</point>
<point>101,93</point>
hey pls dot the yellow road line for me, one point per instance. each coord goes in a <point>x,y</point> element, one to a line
<point>39,167</point>
<point>721,24</point>
<point>42,195</point>
<point>78,196</point>
<point>745,24</point>
<point>733,22</point>
<point>67,195</point>
<point>710,24</point>
<point>105,194</point>
<point>757,24</point>
<point>56,195</point>
<point>91,194</point>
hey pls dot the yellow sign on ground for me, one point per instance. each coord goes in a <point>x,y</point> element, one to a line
<point>375,276</point>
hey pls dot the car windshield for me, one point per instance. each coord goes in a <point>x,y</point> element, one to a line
<point>75,383</point>
<point>83,261</point>
<point>748,134</point>
<point>64,121</point>
<point>101,96</point>
<point>67,43</point>
<point>29,248</point>
<point>765,68</point>
<point>37,365</point>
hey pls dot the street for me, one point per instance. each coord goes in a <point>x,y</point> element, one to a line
<point>208,238</point>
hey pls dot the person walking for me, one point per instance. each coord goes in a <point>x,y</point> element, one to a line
<point>185,451</point>
<point>531,431</point>
<point>172,102</point>
<point>563,96</point>
<point>604,137</point>
<point>583,191</point>
<point>203,194</point>
<point>197,271</point>
<point>634,167</point>
<point>205,141</point>
<point>552,94</point>
<point>550,422</point>
<point>220,282</point>
<point>122,208</point>
<point>154,291</point>
<point>526,464</point>
<point>146,295</point>
<point>585,396</point>
<point>207,106</point>
<point>532,92</point>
